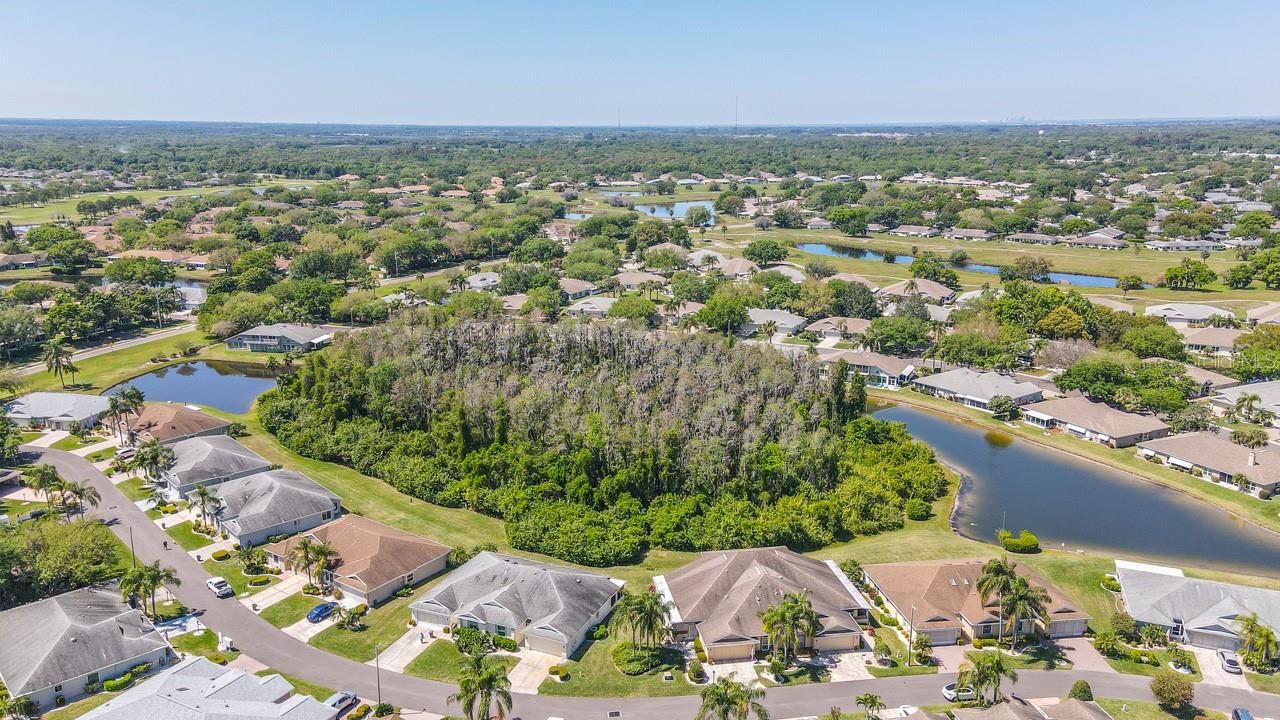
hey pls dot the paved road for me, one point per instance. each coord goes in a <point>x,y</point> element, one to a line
<point>269,645</point>
<point>34,368</point>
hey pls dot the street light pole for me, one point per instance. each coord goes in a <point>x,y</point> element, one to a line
<point>377,670</point>
<point>132,552</point>
<point>911,635</point>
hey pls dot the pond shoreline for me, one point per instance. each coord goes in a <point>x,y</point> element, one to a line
<point>890,399</point>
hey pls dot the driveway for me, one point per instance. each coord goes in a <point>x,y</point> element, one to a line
<point>304,629</point>
<point>1212,670</point>
<point>528,675</point>
<point>49,438</point>
<point>291,583</point>
<point>1083,655</point>
<point>950,657</point>
<point>275,649</point>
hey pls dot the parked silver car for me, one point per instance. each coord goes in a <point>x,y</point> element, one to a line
<point>1229,662</point>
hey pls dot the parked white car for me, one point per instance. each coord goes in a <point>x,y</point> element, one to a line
<point>220,587</point>
<point>954,693</point>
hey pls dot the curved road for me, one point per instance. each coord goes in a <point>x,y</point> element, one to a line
<point>265,643</point>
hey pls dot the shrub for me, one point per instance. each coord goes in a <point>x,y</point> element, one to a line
<point>140,669</point>
<point>360,609</point>
<point>59,701</point>
<point>259,581</point>
<point>918,509</point>
<point>980,643</point>
<point>1264,494</point>
<point>1172,691</point>
<point>631,660</point>
<point>559,672</point>
<point>1024,542</point>
<point>505,643</point>
<point>220,554</point>
<point>696,673</point>
<point>92,688</point>
<point>1080,690</point>
<point>697,645</point>
<point>337,593</point>
<point>403,592</point>
<point>888,621</point>
<point>383,710</point>
<point>362,711</point>
<point>471,641</point>
<point>219,659</point>
<point>277,538</point>
<point>600,632</point>
<point>702,656</point>
<point>1110,583</point>
<point>118,684</point>
<point>310,589</point>
<point>1125,627</point>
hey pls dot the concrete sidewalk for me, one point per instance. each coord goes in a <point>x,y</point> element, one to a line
<point>400,653</point>
<point>532,670</point>
<point>304,629</point>
<point>49,438</point>
<point>290,584</point>
<point>88,450</point>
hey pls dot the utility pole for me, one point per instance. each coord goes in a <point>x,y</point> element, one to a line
<point>911,636</point>
<point>132,552</point>
<point>377,670</point>
<point>735,114</point>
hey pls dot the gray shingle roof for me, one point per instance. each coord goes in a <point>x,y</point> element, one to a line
<point>297,333</point>
<point>64,637</point>
<point>44,405</point>
<point>216,456</point>
<point>267,499</point>
<point>197,689</point>
<point>981,385</point>
<point>558,602</point>
<point>1157,597</point>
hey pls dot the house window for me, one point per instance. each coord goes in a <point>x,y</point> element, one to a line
<point>57,688</point>
<point>92,679</point>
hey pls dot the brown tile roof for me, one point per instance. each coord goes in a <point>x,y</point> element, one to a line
<point>168,421</point>
<point>840,324</point>
<point>724,591</point>
<point>1217,452</point>
<point>943,591</point>
<point>370,554</point>
<point>1082,412</point>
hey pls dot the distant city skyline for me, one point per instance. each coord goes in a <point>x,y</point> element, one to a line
<point>660,64</point>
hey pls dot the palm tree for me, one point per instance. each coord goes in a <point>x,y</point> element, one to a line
<point>153,458</point>
<point>202,497</point>
<point>482,681</point>
<point>57,358</point>
<point>625,612</point>
<point>125,401</point>
<point>83,494</point>
<point>113,409</point>
<point>15,708</point>
<point>1258,640</point>
<point>1023,600</point>
<point>145,580</point>
<point>871,704</point>
<point>1246,404</point>
<point>769,329</point>
<point>728,700</point>
<point>251,558</point>
<point>324,555</point>
<point>997,575</point>
<point>302,557</point>
<point>44,479</point>
<point>788,623</point>
<point>986,670</point>
<point>133,584</point>
<point>652,611</point>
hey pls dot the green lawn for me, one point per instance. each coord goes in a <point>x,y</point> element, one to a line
<point>81,707</point>
<point>1264,683</point>
<point>898,664</point>
<point>1133,668</point>
<point>384,624</point>
<point>300,686</point>
<point>187,537</point>
<point>205,644</point>
<point>801,675</point>
<point>14,508</point>
<point>1133,710</point>
<point>28,436</point>
<point>48,212</point>
<point>132,489</point>
<point>593,674</point>
<point>71,442</point>
<point>440,662</point>
<point>231,570</point>
<point>290,610</point>
<point>1039,657</point>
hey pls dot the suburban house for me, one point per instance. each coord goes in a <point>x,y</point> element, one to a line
<point>1099,422</point>
<point>634,280</point>
<point>1096,241</point>
<point>1016,708</point>
<point>790,272</point>
<point>56,410</point>
<point>967,234</point>
<point>577,289</point>
<point>1214,457</point>
<point>1269,313</point>
<point>1216,341</point>
<point>22,261</point>
<point>1202,613</point>
<point>199,689</point>
<point>1033,238</point>
<point>513,304</point>
<point>168,257</point>
<point>54,647</point>
<point>1184,245</point>
<point>818,223</point>
<point>976,388</point>
<point>1268,397</point>
<point>947,604</point>
<point>594,307</point>
<point>543,607</point>
<point>560,232</point>
<point>1185,313</point>
<point>705,259</point>
<point>280,337</point>
<point>934,292</point>
<point>483,281</point>
<point>883,371</point>
<point>1210,381</point>
<point>170,422</point>
<point>838,327</point>
<point>738,268</point>
<point>914,231</point>
<point>374,560</point>
<point>852,278</point>
<point>719,598</point>
<point>208,460</point>
<point>787,323</point>
<point>256,507</point>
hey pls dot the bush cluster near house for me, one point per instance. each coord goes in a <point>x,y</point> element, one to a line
<point>594,442</point>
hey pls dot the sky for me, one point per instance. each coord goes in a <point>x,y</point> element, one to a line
<point>543,62</point>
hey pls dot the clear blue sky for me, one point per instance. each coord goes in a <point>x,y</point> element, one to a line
<point>543,62</point>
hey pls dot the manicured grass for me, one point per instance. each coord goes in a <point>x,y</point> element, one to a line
<point>384,625</point>
<point>78,708</point>
<point>593,674</point>
<point>300,686</point>
<point>186,536</point>
<point>1134,710</point>
<point>440,662</point>
<point>29,436</point>
<point>1038,657</point>
<point>71,442</point>
<point>169,610</point>
<point>1264,683</point>
<point>100,455</point>
<point>234,573</point>
<point>1125,665</point>
<point>14,508</point>
<point>801,675</point>
<point>102,371</point>
<point>48,212</point>
<point>204,644</point>
<point>898,659</point>
<point>290,610</point>
<point>132,489</point>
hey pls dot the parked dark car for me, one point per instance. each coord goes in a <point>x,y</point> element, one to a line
<point>321,611</point>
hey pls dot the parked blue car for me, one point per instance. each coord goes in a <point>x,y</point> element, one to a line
<point>321,611</point>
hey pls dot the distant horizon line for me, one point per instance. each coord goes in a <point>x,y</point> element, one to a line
<point>663,126</point>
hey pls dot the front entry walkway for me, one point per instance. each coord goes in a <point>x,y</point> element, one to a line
<point>49,438</point>
<point>88,450</point>
<point>400,653</point>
